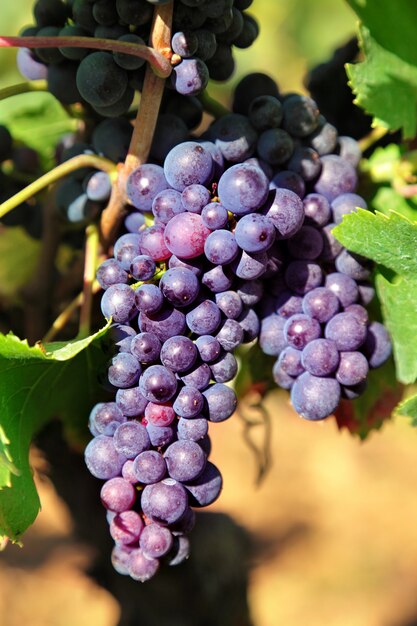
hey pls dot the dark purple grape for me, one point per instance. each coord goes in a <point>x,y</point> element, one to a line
<point>288,304</point>
<point>178,353</point>
<point>377,346</point>
<point>285,209</point>
<point>190,77</point>
<point>331,247</point>
<point>250,266</point>
<point>288,179</point>
<point>206,488</point>
<point>179,286</point>
<point>110,272</point>
<point>208,348</point>
<point>198,376</point>
<point>303,276</point>
<point>189,402</point>
<point>250,324</point>
<point>160,436</point>
<point>275,146</point>
<point>317,209</point>
<point>282,379</point>
<point>192,429</point>
<point>221,402</point>
<point>218,279</point>
<point>301,115</point>
<point>289,361</point>
<point>126,248</point>
<point>224,369</point>
<point>230,335</point>
<point>306,244</point>
<point>229,303</point>
<point>204,319</point>
<point>146,347</point>
<point>148,299</point>
<point>243,188</point>
<point>164,324</point>
<point>349,150</point>
<point>255,233</point>
<point>265,112</point>
<point>306,163</point>
<point>236,138</point>
<point>158,384</point>
<point>142,267</point>
<point>359,311</point>
<point>134,222</point>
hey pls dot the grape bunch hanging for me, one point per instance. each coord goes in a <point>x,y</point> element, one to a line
<point>226,240</point>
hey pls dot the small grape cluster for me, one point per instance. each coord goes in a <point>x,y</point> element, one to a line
<point>228,241</point>
<point>203,35</point>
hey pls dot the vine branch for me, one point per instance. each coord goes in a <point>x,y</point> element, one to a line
<point>25,87</point>
<point>90,266</point>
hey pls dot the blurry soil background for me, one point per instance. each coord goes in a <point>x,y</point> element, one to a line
<point>330,537</point>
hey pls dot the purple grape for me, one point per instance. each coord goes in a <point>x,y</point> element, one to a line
<point>195,197</point>
<point>206,488</point>
<point>194,265</point>
<point>300,329</point>
<point>349,150</point>
<point>185,460</point>
<point>29,67</point>
<point>288,304</point>
<point>235,136</point>
<point>377,346</point>
<point>131,402</point>
<point>117,495</point>
<point>250,324</point>
<point>184,44</point>
<point>166,204</point>
<point>104,418</point>
<point>315,398</point>
<point>110,272</point>
<point>320,357</point>
<point>185,235</point>
<point>198,376</point>
<point>185,524</point>
<point>152,243</point>
<point>126,527</point>
<point>156,541</point>
<point>337,177</point>
<point>134,222</point>
<point>124,370</point>
<point>303,276</point>
<point>158,384</point>
<point>275,146</point>
<point>285,209</point>
<point>289,361</point>
<point>317,209</point>
<point>118,303</point>
<point>214,216</point>
<point>120,558</point>
<point>243,188</point>
<point>179,286</point>
<point>189,402</point>
<point>164,324</point>
<point>250,292</point>
<point>192,429</point>
<point>208,348</point>
<point>306,244</point>
<point>351,393</point>
<point>218,279</point>
<point>224,368</point>
<point>265,112</point>
<point>120,337</point>
<point>204,319</point>
<point>99,187</point>
<point>229,303</point>
<point>366,293</point>
<point>343,287</point>
<point>188,164</point>
<point>331,247</point>
<point>180,551</point>
<point>142,267</point>
<point>144,184</point>
<point>130,439</point>
<point>289,180</point>
<point>230,335</point>
<point>250,266</point>
<point>281,378</point>
<point>346,331</point>
<point>255,233</point>
<point>306,162</point>
<point>321,303</point>
<point>149,467</point>
<point>301,115</point>
<point>160,436</point>
<point>146,347</point>
<point>353,368</point>
<point>221,247</point>
<point>346,203</point>
<point>126,248</point>
<point>190,77</point>
<point>358,311</point>
<point>221,402</point>
<point>164,502</point>
<point>141,567</point>
<point>217,157</point>
<point>148,299</point>
<point>178,353</point>
<point>102,458</point>
<point>353,265</point>
<point>324,138</point>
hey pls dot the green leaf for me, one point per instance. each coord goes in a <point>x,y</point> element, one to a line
<point>19,254</point>
<point>389,240</point>
<point>36,384</point>
<point>408,408</point>
<point>385,85</point>
<point>37,120</point>
<point>387,200</point>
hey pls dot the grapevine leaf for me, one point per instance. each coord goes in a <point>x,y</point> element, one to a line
<point>387,200</point>
<point>389,240</point>
<point>385,85</point>
<point>408,408</point>
<point>36,384</point>
<point>19,254</point>
<point>398,301</point>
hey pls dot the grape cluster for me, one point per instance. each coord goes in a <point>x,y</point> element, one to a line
<point>203,35</point>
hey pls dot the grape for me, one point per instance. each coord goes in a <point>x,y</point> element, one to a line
<point>222,64</point>
<point>331,247</point>
<point>190,77</point>
<point>359,311</point>
<point>149,299</point>
<point>303,276</point>
<point>195,197</point>
<point>220,402</point>
<point>62,83</point>
<point>112,138</point>
<point>219,278</point>
<point>192,429</point>
<point>120,337</point>
<point>324,139</point>
<point>155,541</point>
<point>130,439</point>
<point>166,204</point>
<point>144,184</point>
<point>346,331</point>
<point>353,265</point>
<point>288,304</point>
<point>235,137</point>
<point>250,87</point>
<point>149,467</point>
<point>185,460</point>
<point>317,209</point>
<point>152,243</point>
<point>377,346</point>
<point>50,12</point>
<point>265,112</point>
<point>194,265</point>
<point>160,436</point>
<point>164,502</point>
<point>282,379</point>
<point>198,376</point>
<point>159,414</point>
<point>229,303</point>
<point>214,216</point>
<point>208,348</point>
<point>315,398</point>
<point>224,368</point>
<point>158,384</point>
<point>250,293</point>
<point>180,551</point>
<point>189,402</point>
<point>206,488</point>
<point>117,495</point>
<point>289,361</point>
<point>349,150</point>
<point>170,130</point>
<point>250,324</point>
<point>184,44</point>
<point>320,357</point>
<point>99,186</point>
<point>185,235</point>
<point>301,115</point>
<point>127,61</point>
<point>217,157</point>
<point>230,335</point>
<point>249,33</point>
<point>102,458</point>
<point>178,353</point>
<point>250,266</point>
<point>126,527</point>
<point>337,177</point>
<point>124,370</point>
<point>305,162</point>
<point>306,244</point>
<point>285,210</point>
<point>286,179</point>
<point>353,368</point>
<point>141,567</point>
<point>343,287</point>
<point>300,329</point>
<point>134,12</point>
<point>275,146</point>
<point>99,80</point>
<point>126,248</point>
<point>243,188</point>
<point>366,293</point>
<point>187,164</point>
<point>221,247</point>
<point>321,303</point>
<point>105,418</point>
<point>164,324</point>
<point>142,267</point>
<point>255,233</point>
<point>120,558</point>
<point>29,67</point>
<point>131,402</point>
<point>110,272</point>
<point>186,108</point>
<point>118,303</point>
<point>179,286</point>
<point>346,203</point>
<point>146,347</point>
<point>204,319</point>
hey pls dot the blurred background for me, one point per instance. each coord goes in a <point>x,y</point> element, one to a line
<point>329,537</point>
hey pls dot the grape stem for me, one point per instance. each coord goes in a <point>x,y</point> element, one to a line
<point>77,162</point>
<point>25,87</point>
<point>159,63</point>
<point>371,138</point>
<point>212,106</point>
<point>90,266</point>
<point>145,123</point>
